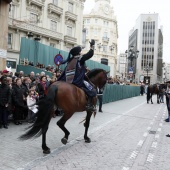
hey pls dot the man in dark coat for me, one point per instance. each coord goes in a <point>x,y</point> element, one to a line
<point>75,71</point>
<point>4,102</point>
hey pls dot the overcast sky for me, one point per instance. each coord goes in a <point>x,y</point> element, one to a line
<point>127,11</point>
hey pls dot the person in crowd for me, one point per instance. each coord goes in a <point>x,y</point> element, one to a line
<point>37,74</point>
<point>75,71</point>
<point>43,82</point>
<point>5,73</point>
<point>167,98</point>
<point>4,102</point>
<point>39,88</point>
<point>26,84</point>
<point>19,99</point>
<point>10,108</point>
<point>142,89</point>
<point>21,74</point>
<point>32,76</point>
<point>100,98</point>
<point>31,101</point>
<point>42,74</point>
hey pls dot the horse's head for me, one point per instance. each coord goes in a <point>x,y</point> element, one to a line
<point>98,77</point>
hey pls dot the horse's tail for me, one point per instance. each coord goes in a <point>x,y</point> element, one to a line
<point>148,94</point>
<point>45,107</point>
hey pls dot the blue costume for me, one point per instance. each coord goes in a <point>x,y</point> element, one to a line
<point>75,72</point>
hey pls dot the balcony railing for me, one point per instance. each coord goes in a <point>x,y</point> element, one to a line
<point>26,26</point>
<point>55,9</point>
<point>69,15</point>
<point>70,40</point>
<point>39,3</point>
<point>105,39</point>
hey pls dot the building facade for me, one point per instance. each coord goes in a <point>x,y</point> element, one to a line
<point>122,66</point>
<point>166,72</point>
<point>147,37</point>
<point>101,25</point>
<point>57,23</point>
<point>4,8</point>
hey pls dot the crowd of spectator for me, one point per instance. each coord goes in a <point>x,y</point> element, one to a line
<point>19,92</point>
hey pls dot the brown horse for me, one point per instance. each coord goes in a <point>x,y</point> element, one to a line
<point>153,89</point>
<point>70,99</point>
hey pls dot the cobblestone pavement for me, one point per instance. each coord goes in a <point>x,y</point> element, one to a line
<point>128,135</point>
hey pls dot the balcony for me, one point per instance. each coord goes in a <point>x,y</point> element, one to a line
<point>28,27</point>
<point>55,9</point>
<point>70,40</point>
<point>39,3</point>
<point>105,39</point>
<point>69,15</point>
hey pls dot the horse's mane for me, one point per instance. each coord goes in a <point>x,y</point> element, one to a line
<point>94,72</point>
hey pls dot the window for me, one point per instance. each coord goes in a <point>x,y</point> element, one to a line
<point>105,48</point>
<point>52,44</point>
<point>33,18</point>
<point>53,25</point>
<point>11,64</point>
<point>12,11</point>
<point>9,40</point>
<point>55,2</point>
<point>86,31</point>
<point>70,7</point>
<point>69,31</point>
<point>88,21</point>
<point>95,32</point>
<point>96,20</point>
<point>105,35</point>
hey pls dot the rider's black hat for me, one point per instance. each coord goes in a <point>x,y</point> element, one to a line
<point>73,52</point>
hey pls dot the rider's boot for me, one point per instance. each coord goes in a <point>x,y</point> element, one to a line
<point>90,107</point>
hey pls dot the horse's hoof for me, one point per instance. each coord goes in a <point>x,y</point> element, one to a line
<point>47,151</point>
<point>87,140</point>
<point>64,141</point>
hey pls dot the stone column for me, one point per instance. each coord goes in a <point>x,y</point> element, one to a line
<point>4,12</point>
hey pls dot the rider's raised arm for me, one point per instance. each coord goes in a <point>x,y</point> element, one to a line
<point>89,54</point>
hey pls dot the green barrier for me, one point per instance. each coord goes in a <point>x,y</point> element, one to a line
<point>37,52</point>
<point>118,92</point>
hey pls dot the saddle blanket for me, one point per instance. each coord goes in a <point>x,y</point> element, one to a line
<point>88,85</point>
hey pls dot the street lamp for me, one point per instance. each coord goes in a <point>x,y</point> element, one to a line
<point>132,54</point>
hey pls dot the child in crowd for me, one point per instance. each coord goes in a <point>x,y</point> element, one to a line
<point>31,101</point>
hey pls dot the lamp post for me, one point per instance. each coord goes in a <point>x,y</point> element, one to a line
<point>132,54</point>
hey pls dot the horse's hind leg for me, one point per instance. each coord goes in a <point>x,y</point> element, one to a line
<point>45,149</point>
<point>61,124</point>
<point>86,124</point>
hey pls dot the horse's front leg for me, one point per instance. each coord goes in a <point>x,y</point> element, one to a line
<point>158,99</point>
<point>151,99</point>
<point>86,124</point>
<point>45,149</point>
<point>61,124</point>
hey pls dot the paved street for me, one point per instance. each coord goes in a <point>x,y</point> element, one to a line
<point>128,135</point>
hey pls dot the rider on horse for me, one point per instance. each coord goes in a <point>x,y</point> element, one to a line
<point>75,71</point>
